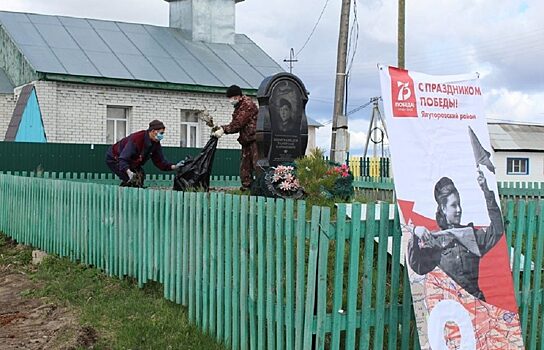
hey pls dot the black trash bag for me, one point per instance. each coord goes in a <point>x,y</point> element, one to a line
<point>195,173</point>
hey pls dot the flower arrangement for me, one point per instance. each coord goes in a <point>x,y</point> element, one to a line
<point>343,186</point>
<point>284,177</point>
<point>311,177</point>
<point>342,170</point>
<point>282,181</point>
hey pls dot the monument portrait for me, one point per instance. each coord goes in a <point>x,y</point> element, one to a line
<point>286,116</point>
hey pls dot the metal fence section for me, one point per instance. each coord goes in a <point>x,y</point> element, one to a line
<point>84,158</point>
<point>526,190</point>
<point>372,167</point>
<point>257,273</point>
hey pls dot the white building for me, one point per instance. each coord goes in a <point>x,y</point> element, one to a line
<point>518,151</point>
<point>96,81</point>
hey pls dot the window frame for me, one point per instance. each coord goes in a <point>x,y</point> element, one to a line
<point>189,125</point>
<point>511,165</point>
<point>116,121</point>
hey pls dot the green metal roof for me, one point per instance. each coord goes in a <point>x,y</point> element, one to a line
<point>68,48</point>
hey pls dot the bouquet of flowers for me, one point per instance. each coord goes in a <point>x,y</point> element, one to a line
<point>285,179</point>
<point>343,186</point>
<point>342,170</point>
<point>282,182</point>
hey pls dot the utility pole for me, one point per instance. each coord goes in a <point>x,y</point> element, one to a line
<point>340,135</point>
<point>401,31</point>
<point>291,60</point>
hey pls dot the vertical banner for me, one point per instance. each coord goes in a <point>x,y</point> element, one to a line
<point>453,233</point>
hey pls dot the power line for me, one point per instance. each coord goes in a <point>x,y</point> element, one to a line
<point>355,110</point>
<point>353,41</point>
<point>354,34</point>
<point>513,45</point>
<point>314,28</point>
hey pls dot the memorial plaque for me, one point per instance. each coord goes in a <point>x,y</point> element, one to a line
<point>282,127</point>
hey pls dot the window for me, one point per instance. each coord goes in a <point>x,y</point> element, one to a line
<point>517,166</point>
<point>116,123</point>
<point>190,129</point>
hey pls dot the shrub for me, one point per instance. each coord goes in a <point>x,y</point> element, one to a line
<point>321,178</point>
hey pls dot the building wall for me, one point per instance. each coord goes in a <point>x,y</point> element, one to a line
<point>536,166</point>
<point>7,105</point>
<point>76,113</point>
<point>311,139</point>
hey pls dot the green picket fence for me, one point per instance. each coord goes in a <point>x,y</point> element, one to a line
<point>376,189</point>
<point>254,272</point>
<point>526,190</point>
<point>382,189</point>
<point>154,180</point>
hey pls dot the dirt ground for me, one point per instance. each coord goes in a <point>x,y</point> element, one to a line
<point>27,323</point>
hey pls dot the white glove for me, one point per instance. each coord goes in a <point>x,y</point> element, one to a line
<point>130,174</point>
<point>218,133</point>
<point>178,165</point>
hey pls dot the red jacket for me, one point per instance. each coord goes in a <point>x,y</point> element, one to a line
<point>244,121</point>
<point>135,150</point>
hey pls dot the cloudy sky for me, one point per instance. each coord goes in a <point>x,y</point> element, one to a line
<point>503,40</point>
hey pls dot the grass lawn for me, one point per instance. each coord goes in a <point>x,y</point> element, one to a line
<point>122,315</point>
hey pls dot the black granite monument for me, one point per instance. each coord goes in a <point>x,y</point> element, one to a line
<point>282,127</point>
<point>282,130</point>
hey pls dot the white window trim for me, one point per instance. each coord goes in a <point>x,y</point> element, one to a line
<point>196,125</point>
<point>116,120</point>
<point>516,163</point>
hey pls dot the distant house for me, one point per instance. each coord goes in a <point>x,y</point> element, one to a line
<point>94,81</point>
<point>7,101</point>
<point>313,125</point>
<point>518,151</point>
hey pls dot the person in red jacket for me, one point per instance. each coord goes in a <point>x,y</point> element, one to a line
<point>127,157</point>
<point>244,121</point>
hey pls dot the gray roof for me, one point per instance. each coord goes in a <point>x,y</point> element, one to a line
<point>6,87</point>
<point>108,49</point>
<point>313,122</point>
<point>516,137</point>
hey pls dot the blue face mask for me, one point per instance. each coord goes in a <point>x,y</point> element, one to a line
<point>160,136</point>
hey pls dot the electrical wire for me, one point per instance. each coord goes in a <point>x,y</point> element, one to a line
<point>356,109</point>
<point>354,33</point>
<point>511,46</point>
<point>363,106</point>
<point>314,28</point>
<point>352,51</point>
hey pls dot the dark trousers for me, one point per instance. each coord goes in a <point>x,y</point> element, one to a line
<point>113,164</point>
<point>248,162</point>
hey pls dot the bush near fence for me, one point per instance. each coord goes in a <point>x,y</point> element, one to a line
<point>253,271</point>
